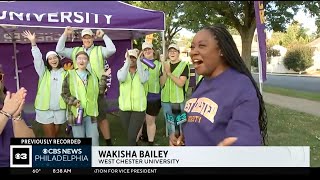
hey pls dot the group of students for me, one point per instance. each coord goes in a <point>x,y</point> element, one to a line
<point>226,107</point>
<point>61,93</point>
<point>143,90</point>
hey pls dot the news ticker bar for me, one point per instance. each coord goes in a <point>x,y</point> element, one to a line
<point>164,171</point>
<point>78,153</point>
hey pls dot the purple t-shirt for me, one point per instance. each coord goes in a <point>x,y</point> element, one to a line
<point>221,107</point>
<point>5,136</point>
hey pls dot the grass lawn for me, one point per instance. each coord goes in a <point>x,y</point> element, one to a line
<point>291,128</point>
<point>285,128</point>
<point>292,93</point>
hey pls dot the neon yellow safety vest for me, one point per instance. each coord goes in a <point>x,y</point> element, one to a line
<point>199,78</point>
<point>153,83</point>
<point>88,96</point>
<point>132,94</point>
<point>42,101</point>
<point>171,92</point>
<point>96,59</point>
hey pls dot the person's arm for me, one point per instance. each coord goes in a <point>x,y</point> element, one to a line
<point>37,60</point>
<point>244,124</point>
<point>36,53</point>
<point>61,45</point>
<point>179,81</point>
<point>163,75</point>
<point>174,141</point>
<point>2,92</point>
<point>109,49</point>
<point>103,84</point>
<point>143,73</point>
<point>123,72</point>
<point>3,122</point>
<point>20,129</point>
<point>13,105</point>
<point>66,95</point>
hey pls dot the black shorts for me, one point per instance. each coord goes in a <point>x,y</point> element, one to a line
<point>153,107</point>
<point>102,108</point>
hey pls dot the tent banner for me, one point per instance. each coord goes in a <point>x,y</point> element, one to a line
<point>113,15</point>
<point>58,17</point>
<point>41,37</point>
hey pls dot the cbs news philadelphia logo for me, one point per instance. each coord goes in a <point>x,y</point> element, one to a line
<point>20,156</point>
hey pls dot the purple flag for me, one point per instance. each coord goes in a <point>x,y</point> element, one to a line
<point>259,11</point>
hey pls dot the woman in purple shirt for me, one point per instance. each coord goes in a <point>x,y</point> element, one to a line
<point>11,124</point>
<point>227,107</point>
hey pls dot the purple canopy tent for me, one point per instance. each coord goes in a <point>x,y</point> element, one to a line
<point>120,21</point>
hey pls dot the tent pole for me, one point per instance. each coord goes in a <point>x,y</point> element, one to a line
<point>163,44</point>
<point>15,60</point>
<point>165,58</point>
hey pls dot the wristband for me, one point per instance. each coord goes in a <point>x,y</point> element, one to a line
<point>6,114</point>
<point>18,118</point>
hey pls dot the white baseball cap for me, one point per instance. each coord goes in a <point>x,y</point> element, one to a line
<point>86,32</point>
<point>147,45</point>
<point>51,53</point>
<point>133,52</point>
<point>174,46</point>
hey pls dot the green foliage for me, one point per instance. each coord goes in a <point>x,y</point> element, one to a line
<point>241,16</point>
<point>173,15</point>
<point>299,58</point>
<point>233,31</point>
<point>317,22</point>
<point>280,13</point>
<point>276,39</point>
<point>238,15</point>
<point>294,35</point>
<point>254,61</point>
<point>182,41</point>
<point>157,44</point>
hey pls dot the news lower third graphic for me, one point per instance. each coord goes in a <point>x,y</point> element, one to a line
<point>77,156</point>
<point>50,153</point>
<point>201,156</point>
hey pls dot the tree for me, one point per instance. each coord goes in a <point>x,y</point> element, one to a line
<point>294,35</point>
<point>172,9</point>
<point>241,16</point>
<point>317,22</point>
<point>272,52</point>
<point>276,39</point>
<point>233,31</point>
<point>299,58</point>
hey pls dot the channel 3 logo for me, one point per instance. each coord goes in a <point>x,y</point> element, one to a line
<point>20,156</point>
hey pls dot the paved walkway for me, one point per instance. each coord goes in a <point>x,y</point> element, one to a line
<point>296,75</point>
<point>297,104</point>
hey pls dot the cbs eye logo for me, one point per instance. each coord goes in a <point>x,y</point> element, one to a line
<point>20,156</point>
